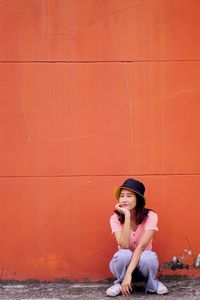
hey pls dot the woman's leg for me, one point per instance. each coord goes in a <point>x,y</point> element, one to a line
<point>148,267</point>
<point>119,264</point>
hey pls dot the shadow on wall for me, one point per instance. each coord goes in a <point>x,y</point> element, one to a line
<point>179,262</point>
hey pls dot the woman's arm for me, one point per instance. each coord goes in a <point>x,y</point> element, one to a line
<point>123,236</point>
<point>144,240</point>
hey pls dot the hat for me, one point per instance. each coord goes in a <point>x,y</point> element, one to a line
<point>132,185</point>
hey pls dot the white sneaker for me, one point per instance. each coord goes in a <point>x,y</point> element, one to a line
<point>114,290</point>
<point>162,289</point>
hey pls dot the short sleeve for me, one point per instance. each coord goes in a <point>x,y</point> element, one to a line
<point>151,222</point>
<point>115,223</point>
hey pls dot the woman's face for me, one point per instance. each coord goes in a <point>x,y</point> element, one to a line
<point>127,199</point>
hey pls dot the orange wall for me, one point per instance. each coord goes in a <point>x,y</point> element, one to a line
<point>92,92</point>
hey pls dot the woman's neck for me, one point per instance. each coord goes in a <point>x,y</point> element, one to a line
<point>133,216</point>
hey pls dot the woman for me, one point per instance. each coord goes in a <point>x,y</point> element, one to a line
<point>133,226</point>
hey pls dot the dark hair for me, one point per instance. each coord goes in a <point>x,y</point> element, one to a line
<point>141,211</point>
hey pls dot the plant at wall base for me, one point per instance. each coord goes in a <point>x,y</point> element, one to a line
<point>178,262</point>
<point>196,264</point>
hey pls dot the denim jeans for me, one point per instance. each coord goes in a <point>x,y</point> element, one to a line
<point>147,267</point>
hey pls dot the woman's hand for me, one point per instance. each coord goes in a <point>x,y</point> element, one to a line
<point>126,287</point>
<point>122,210</point>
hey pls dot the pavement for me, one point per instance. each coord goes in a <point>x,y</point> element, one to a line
<point>179,288</point>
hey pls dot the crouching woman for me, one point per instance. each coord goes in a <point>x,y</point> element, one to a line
<point>133,226</point>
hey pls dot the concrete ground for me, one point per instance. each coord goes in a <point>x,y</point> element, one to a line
<point>178,289</point>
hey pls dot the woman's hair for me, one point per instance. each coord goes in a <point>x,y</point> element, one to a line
<point>141,211</point>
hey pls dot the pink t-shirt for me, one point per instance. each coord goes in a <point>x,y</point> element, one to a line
<point>149,224</point>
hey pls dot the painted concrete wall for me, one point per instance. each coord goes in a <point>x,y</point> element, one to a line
<point>93,92</point>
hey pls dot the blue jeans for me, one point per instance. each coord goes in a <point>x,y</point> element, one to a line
<point>147,267</point>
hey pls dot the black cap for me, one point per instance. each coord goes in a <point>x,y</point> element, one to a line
<point>132,185</point>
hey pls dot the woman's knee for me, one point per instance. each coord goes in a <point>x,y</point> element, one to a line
<point>148,259</point>
<point>123,255</point>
